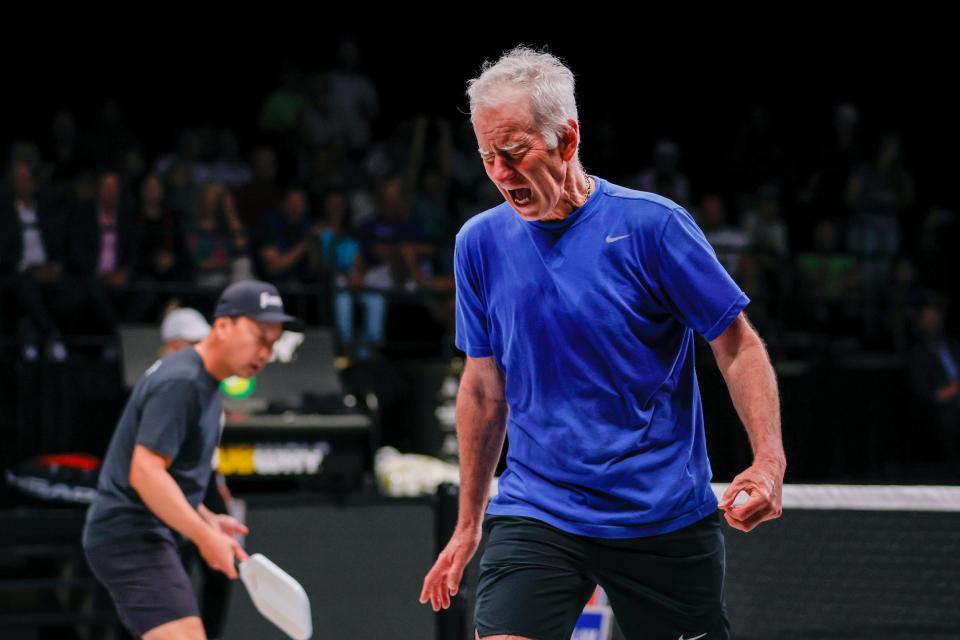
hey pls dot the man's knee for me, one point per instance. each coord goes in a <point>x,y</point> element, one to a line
<point>183,629</point>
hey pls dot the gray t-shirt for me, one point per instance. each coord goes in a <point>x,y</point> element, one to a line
<point>175,411</point>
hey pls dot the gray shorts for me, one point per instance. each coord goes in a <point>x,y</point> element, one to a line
<point>146,579</point>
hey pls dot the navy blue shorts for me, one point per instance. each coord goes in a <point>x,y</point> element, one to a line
<point>146,579</point>
<point>535,580</point>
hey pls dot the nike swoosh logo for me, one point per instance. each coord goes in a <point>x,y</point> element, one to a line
<point>693,638</point>
<point>614,239</point>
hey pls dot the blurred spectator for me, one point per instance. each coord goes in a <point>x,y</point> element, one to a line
<point>354,101</point>
<point>903,299</point>
<point>180,192</point>
<point>400,270</point>
<point>103,254</point>
<point>280,118</point>
<point>319,125</point>
<point>729,242</point>
<point>181,328</point>
<point>160,252</point>
<point>828,284</point>
<point>31,271</point>
<point>289,244</point>
<point>392,255</point>
<point>261,194</point>
<point>341,253</point>
<point>769,248</point>
<point>884,186</point>
<point>766,227</point>
<point>879,194</point>
<point>760,285</point>
<point>28,153</point>
<point>104,243</point>
<point>390,225</point>
<point>282,108</point>
<point>216,242</point>
<point>935,375</point>
<point>431,216</point>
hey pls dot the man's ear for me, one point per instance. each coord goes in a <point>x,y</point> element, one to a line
<point>221,323</point>
<point>569,140</point>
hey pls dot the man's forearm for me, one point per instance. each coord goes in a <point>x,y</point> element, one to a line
<point>206,514</point>
<point>753,388</point>
<point>160,492</point>
<point>481,428</point>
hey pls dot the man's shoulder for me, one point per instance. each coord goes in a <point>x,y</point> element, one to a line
<point>487,222</point>
<point>178,372</point>
<point>640,209</point>
<point>635,198</point>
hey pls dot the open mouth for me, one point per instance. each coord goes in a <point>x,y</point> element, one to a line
<point>520,196</point>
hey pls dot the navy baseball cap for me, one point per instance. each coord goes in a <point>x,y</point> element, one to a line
<point>255,299</point>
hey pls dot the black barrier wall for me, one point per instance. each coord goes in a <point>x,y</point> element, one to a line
<point>821,574</point>
<point>361,565</point>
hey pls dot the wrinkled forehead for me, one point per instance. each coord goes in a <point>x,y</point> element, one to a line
<point>498,122</point>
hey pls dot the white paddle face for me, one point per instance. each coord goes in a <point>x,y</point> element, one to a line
<point>277,596</point>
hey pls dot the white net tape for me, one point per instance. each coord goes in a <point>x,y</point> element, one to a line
<point>866,497</point>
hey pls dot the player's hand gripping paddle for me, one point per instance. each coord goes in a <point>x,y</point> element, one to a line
<point>277,596</point>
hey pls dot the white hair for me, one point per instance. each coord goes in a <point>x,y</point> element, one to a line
<point>538,74</point>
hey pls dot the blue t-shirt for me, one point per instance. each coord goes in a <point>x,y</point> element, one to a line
<point>591,320</point>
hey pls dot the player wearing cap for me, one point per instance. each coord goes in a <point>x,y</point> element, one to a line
<point>158,464</point>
